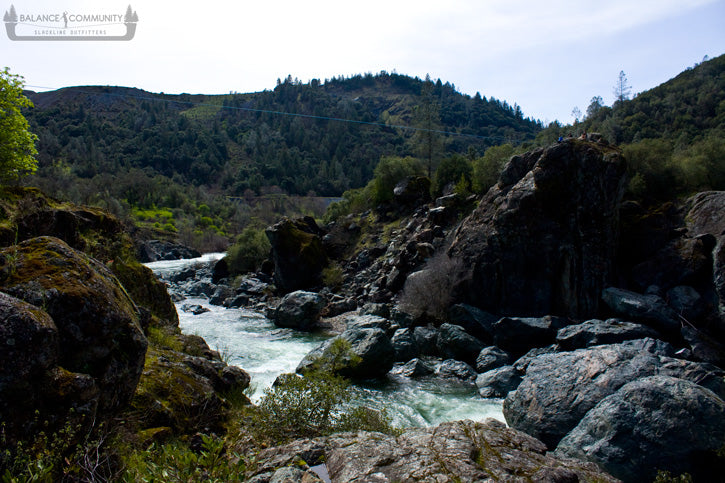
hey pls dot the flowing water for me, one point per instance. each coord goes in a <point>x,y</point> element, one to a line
<point>247,339</point>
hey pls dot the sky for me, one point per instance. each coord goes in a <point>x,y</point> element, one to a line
<point>546,56</point>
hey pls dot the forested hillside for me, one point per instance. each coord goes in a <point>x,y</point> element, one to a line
<point>673,135</point>
<point>317,137</point>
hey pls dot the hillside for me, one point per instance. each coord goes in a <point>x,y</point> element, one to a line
<point>322,137</point>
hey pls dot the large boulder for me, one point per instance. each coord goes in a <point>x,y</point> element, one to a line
<point>299,310</point>
<point>359,353</point>
<point>542,240</point>
<point>651,310</point>
<point>560,388</point>
<point>474,320</point>
<point>656,423</point>
<point>100,345</point>
<point>455,343</point>
<point>155,250</point>
<point>298,254</point>
<point>598,332</point>
<point>519,334</point>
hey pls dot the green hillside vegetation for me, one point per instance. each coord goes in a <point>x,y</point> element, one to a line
<point>131,151</point>
<point>673,135</point>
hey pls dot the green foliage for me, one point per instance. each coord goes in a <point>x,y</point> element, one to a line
<point>389,171</point>
<point>332,276</point>
<point>667,477</point>
<point>314,404</point>
<point>487,168</point>
<point>17,143</point>
<point>451,170</point>
<point>176,462</point>
<point>248,253</point>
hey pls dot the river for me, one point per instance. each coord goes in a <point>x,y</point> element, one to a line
<point>247,339</point>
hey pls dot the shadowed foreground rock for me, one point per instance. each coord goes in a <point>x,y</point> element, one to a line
<point>455,451</point>
<point>77,336</point>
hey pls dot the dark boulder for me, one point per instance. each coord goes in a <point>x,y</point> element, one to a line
<point>369,354</point>
<point>498,382</point>
<point>684,261</point>
<point>542,240</point>
<point>101,346</point>
<point>425,339</point>
<point>655,423</point>
<point>298,254</point>
<point>686,301</point>
<point>597,332</point>
<point>519,334</point>
<point>156,250</point>
<point>651,310</point>
<point>455,343</point>
<point>220,271</point>
<point>299,310</point>
<point>413,368</point>
<point>455,370</point>
<point>564,386</point>
<point>491,358</point>
<point>474,320</point>
<point>404,345</point>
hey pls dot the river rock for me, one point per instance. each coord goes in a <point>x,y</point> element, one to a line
<point>298,254</point>
<point>651,310</point>
<point>457,370</point>
<point>101,346</point>
<point>542,240</point>
<point>519,334</point>
<point>425,339</point>
<point>474,320</point>
<point>156,250</point>
<point>404,345</point>
<point>299,310</point>
<point>413,368</point>
<point>498,382</point>
<point>371,355</point>
<point>491,358</point>
<point>455,343</point>
<point>564,386</point>
<point>366,322</point>
<point>655,423</point>
<point>597,332</point>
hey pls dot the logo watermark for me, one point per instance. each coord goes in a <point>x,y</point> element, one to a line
<point>69,25</point>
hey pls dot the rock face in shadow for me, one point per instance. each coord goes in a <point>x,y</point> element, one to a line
<point>542,240</point>
<point>95,347</point>
<point>298,254</point>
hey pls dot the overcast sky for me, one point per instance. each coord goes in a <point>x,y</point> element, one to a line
<point>546,56</point>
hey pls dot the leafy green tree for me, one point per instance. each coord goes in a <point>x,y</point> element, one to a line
<point>251,249</point>
<point>17,143</point>
<point>451,170</point>
<point>389,171</point>
<point>594,106</point>
<point>487,168</point>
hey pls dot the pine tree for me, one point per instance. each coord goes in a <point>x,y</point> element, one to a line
<point>427,121</point>
<point>622,88</point>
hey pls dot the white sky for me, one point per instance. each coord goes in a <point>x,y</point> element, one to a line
<point>546,56</point>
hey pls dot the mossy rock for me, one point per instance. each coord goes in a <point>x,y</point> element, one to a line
<point>298,254</point>
<point>97,322</point>
<point>146,290</point>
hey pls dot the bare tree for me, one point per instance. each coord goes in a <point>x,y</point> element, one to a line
<point>622,89</point>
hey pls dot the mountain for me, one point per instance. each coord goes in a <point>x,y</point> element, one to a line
<point>322,137</point>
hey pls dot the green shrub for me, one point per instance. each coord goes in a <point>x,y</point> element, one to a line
<point>487,169</point>
<point>389,171</point>
<point>248,253</point>
<point>332,276</point>
<point>454,169</point>
<point>176,462</point>
<point>314,405</point>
